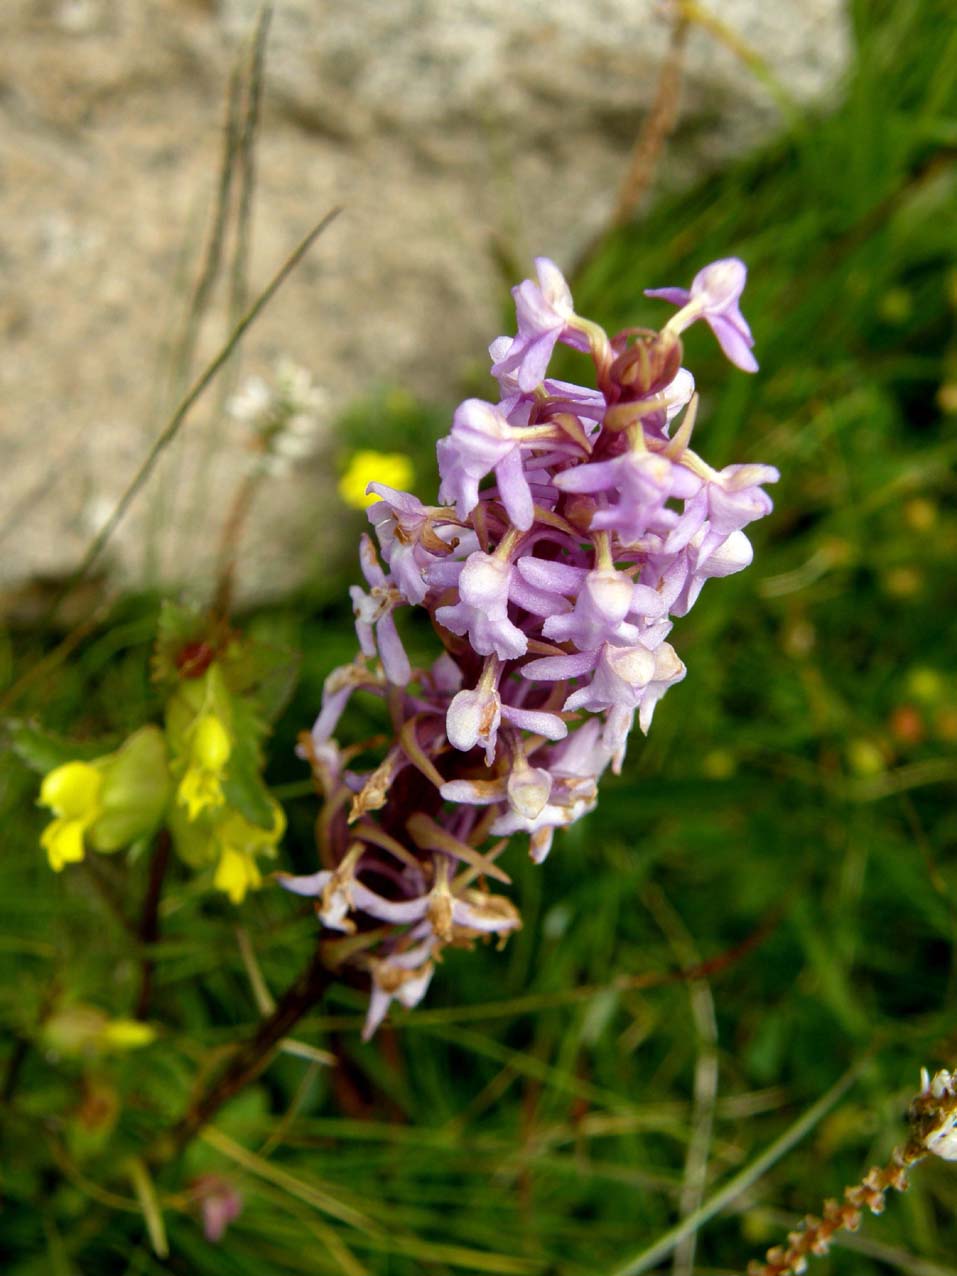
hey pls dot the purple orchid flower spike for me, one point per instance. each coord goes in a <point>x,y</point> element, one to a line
<point>575,525</point>
<point>714,295</point>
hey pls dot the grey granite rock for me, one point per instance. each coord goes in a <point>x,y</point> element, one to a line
<point>448,129</point>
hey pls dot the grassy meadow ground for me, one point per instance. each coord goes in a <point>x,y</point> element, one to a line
<point>554,1108</point>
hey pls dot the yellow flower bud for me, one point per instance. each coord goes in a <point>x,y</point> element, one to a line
<point>211,745</point>
<point>240,842</point>
<point>73,793</point>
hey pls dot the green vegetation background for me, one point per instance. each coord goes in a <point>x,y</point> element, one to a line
<point>536,1114</point>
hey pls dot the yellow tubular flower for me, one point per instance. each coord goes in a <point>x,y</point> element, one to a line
<point>237,873</point>
<point>394,469</point>
<point>239,843</point>
<point>72,792</point>
<point>201,787</point>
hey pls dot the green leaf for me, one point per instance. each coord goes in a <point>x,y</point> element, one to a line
<point>265,674</point>
<point>244,787</point>
<point>44,750</point>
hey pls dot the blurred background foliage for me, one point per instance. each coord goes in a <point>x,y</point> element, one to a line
<point>553,1107</point>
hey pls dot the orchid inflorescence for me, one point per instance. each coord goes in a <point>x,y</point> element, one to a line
<point>551,589</point>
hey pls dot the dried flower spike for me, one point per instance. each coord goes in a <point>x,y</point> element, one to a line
<point>932,1118</point>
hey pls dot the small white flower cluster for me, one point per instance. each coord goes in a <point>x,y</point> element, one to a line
<point>286,416</point>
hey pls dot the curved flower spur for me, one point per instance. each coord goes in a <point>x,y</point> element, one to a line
<point>574,523</point>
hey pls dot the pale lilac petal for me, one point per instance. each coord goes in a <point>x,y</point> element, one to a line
<point>514,490</point>
<point>735,344</point>
<point>733,555</point>
<point>332,709</point>
<point>647,602</point>
<point>394,660</point>
<point>313,884</point>
<point>536,601</point>
<point>379,1003</point>
<point>668,670</point>
<point>545,574</point>
<point>558,668</point>
<point>485,919</point>
<point>549,725</point>
<point>474,792</point>
<point>555,289</point>
<point>445,675</point>
<point>360,607</point>
<point>387,910</point>
<point>721,283</point>
<point>599,476</point>
<point>484,582</point>
<point>677,296</point>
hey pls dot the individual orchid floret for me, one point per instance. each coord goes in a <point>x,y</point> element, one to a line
<point>736,499</point>
<point>714,295</point>
<point>626,679</point>
<point>733,555</point>
<point>473,720</point>
<point>409,539</point>
<point>728,501</point>
<point>525,789</point>
<point>402,976</point>
<point>545,313</point>
<point>373,613</point>
<point>482,611</point>
<point>336,693</point>
<point>482,441</point>
<point>607,596</point>
<point>641,482</point>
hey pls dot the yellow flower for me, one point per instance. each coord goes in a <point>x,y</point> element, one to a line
<point>239,843</point>
<point>201,787</point>
<point>237,873</point>
<point>394,469</point>
<point>108,803</point>
<point>126,1034</point>
<point>73,793</point>
<point>83,1030</point>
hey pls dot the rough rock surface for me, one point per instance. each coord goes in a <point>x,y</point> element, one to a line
<point>449,129</point>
